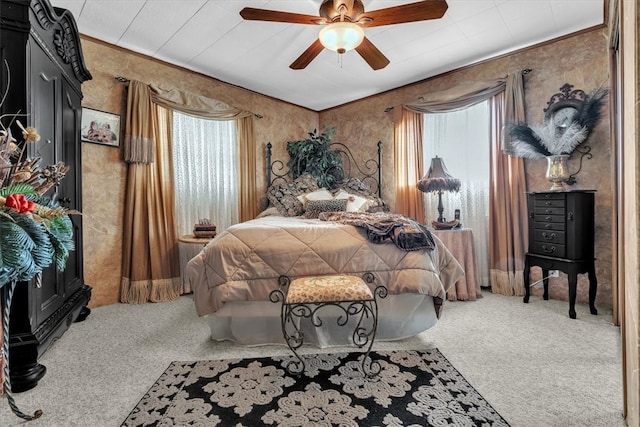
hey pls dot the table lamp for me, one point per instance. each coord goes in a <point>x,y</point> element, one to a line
<point>437,180</point>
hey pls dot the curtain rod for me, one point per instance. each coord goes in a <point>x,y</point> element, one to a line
<point>126,80</point>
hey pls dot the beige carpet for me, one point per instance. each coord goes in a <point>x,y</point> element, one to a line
<point>532,363</point>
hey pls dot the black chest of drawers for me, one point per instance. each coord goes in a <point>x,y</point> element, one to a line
<point>561,237</point>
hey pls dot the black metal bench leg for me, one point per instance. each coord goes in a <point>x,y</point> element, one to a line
<point>371,368</point>
<point>373,365</point>
<point>293,340</point>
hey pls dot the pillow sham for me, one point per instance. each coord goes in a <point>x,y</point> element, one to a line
<point>321,194</point>
<point>285,196</point>
<point>314,207</point>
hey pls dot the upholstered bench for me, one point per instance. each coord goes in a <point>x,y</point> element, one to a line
<point>303,297</point>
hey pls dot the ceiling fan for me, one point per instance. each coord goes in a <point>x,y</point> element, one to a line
<point>343,22</point>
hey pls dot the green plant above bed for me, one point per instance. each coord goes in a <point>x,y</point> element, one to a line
<point>312,155</point>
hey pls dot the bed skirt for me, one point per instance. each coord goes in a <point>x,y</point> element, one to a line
<point>253,323</point>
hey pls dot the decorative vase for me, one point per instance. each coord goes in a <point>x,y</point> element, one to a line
<point>557,171</point>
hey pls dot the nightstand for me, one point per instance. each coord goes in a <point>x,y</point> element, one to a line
<point>190,238</point>
<point>460,243</point>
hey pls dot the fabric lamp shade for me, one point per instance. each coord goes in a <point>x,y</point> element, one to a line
<point>438,178</point>
<point>341,36</point>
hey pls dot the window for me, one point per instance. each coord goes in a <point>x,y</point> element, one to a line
<point>462,140</point>
<point>205,164</point>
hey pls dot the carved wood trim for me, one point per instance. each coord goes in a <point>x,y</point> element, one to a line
<point>65,39</point>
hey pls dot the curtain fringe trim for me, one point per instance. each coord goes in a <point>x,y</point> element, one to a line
<point>507,282</point>
<point>143,291</point>
<point>138,149</point>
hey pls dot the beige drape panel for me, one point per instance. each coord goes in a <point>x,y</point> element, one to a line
<point>458,97</point>
<point>150,265</point>
<point>138,139</point>
<point>407,155</point>
<point>508,205</point>
<point>508,210</point>
<point>195,105</point>
<point>248,208</point>
<point>151,270</point>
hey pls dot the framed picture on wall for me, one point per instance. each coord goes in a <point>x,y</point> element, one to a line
<point>100,127</point>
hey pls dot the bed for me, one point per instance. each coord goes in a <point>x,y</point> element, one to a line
<point>233,276</point>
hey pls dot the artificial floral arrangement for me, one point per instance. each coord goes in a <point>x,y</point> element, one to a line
<point>312,155</point>
<point>35,231</point>
<point>550,138</point>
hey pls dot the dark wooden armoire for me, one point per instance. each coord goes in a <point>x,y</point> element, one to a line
<point>41,47</point>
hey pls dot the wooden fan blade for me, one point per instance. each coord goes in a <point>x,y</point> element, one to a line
<point>307,56</point>
<point>412,12</point>
<point>253,14</point>
<point>372,55</point>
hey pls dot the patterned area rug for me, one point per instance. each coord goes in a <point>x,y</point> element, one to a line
<point>414,388</point>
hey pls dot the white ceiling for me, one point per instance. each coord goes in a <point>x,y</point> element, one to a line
<point>210,37</point>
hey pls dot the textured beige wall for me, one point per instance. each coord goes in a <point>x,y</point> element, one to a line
<point>581,60</point>
<point>104,172</point>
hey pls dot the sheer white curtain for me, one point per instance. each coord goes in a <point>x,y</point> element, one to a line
<point>205,162</point>
<point>462,140</point>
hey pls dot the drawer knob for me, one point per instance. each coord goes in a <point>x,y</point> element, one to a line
<point>548,236</point>
<point>548,249</point>
<point>547,203</point>
<point>547,226</point>
<point>548,211</point>
<point>570,216</point>
<point>548,218</point>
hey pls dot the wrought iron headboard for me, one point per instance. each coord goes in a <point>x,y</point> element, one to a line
<point>370,172</point>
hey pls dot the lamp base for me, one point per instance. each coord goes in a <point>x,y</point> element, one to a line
<point>441,218</point>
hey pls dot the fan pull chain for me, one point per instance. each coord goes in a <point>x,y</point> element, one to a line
<point>8,296</point>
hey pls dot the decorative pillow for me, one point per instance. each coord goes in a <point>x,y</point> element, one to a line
<point>285,196</point>
<point>355,186</point>
<point>314,207</point>
<point>321,194</point>
<point>306,183</point>
<point>376,204</point>
<point>354,203</point>
<point>359,188</point>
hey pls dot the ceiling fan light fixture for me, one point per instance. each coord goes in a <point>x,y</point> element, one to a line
<point>341,36</point>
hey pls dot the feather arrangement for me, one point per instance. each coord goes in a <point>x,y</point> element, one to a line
<point>547,139</point>
<point>561,140</point>
<point>526,143</point>
<point>590,111</point>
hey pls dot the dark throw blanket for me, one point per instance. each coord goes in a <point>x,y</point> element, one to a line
<point>407,233</point>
